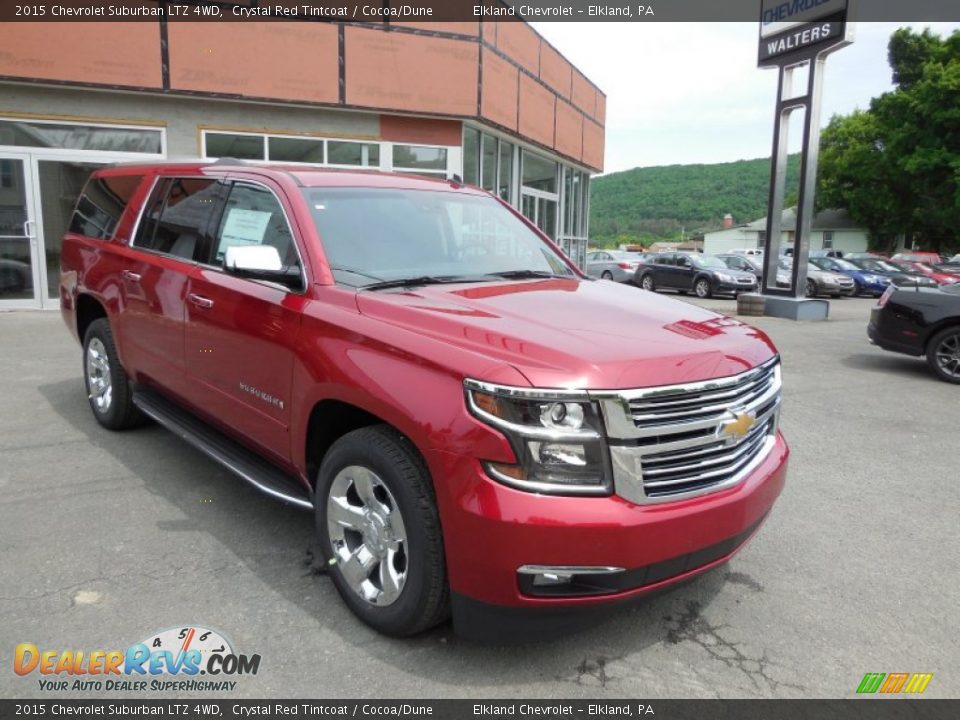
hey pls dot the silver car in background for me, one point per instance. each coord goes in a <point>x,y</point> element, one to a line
<point>616,265</point>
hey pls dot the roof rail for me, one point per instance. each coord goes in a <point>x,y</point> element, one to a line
<point>229,161</point>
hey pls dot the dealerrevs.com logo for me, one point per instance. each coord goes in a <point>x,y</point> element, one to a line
<point>186,659</point>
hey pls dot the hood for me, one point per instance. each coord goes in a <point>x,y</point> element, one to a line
<point>563,333</point>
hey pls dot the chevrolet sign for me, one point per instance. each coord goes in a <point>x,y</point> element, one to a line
<point>794,30</point>
<point>780,15</point>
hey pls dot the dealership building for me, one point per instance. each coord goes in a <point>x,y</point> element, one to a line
<point>491,102</point>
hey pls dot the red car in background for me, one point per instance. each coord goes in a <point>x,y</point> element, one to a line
<point>938,276</point>
<point>931,258</point>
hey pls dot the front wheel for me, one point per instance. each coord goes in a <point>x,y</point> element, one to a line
<point>646,282</point>
<point>379,528</point>
<point>811,289</point>
<point>108,386</point>
<point>943,354</point>
<point>702,288</point>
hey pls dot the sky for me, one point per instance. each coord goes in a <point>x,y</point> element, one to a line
<point>682,93</point>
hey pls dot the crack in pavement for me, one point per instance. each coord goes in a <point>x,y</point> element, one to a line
<point>692,627</point>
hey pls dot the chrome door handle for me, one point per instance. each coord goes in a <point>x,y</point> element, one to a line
<point>200,301</point>
<point>131,276</point>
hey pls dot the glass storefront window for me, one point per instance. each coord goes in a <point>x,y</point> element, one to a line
<point>80,137</point>
<point>417,157</point>
<point>471,156</point>
<point>305,150</point>
<point>488,162</point>
<point>539,173</point>
<point>230,145</point>
<point>341,152</point>
<point>505,181</point>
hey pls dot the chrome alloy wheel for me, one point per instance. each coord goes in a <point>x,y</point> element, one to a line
<point>99,384</point>
<point>367,535</point>
<point>948,355</point>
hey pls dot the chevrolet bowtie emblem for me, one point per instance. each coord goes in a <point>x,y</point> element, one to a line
<point>739,426</point>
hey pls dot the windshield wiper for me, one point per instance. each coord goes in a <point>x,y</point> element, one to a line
<point>355,271</point>
<point>526,274</point>
<point>422,280</point>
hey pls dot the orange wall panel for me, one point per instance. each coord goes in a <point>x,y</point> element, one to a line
<point>499,96</point>
<point>461,28</point>
<point>569,139</point>
<point>114,53</point>
<point>592,144</point>
<point>287,61</point>
<point>601,108</point>
<point>584,94</point>
<point>555,71</point>
<point>399,71</point>
<point>519,42</point>
<point>420,131</point>
<point>536,111</point>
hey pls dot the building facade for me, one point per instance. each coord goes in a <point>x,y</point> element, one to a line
<point>830,230</point>
<point>492,103</point>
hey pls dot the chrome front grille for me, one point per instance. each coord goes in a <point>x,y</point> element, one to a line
<point>677,441</point>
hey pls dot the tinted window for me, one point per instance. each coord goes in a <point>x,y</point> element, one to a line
<point>254,216</point>
<point>177,216</point>
<point>101,204</point>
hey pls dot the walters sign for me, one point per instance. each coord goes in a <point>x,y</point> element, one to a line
<point>795,29</point>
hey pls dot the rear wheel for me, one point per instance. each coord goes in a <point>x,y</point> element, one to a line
<point>607,275</point>
<point>108,387</point>
<point>702,288</point>
<point>646,282</point>
<point>378,525</point>
<point>943,354</point>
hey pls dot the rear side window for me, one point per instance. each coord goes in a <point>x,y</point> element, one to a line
<point>177,216</point>
<point>101,204</point>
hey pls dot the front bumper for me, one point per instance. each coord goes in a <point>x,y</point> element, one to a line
<point>490,531</point>
<point>721,287</point>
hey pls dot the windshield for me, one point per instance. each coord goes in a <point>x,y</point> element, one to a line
<point>889,267</point>
<point>708,262</point>
<point>844,265</point>
<point>372,235</point>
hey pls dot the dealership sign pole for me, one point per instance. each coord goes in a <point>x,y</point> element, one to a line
<point>796,34</point>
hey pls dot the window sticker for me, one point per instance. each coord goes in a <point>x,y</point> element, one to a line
<point>243,227</point>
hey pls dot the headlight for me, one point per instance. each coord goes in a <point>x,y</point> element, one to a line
<point>723,277</point>
<point>556,436</point>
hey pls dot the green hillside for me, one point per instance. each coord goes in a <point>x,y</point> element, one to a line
<point>647,204</point>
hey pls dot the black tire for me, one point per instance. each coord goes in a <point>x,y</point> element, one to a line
<point>424,600</point>
<point>857,289</point>
<point>945,343</point>
<point>116,412</point>
<point>810,290</point>
<point>702,288</point>
<point>607,275</point>
<point>647,283</point>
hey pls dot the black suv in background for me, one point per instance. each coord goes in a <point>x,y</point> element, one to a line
<point>704,275</point>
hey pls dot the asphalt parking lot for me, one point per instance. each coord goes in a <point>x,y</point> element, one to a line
<point>107,538</point>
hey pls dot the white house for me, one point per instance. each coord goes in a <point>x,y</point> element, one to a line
<point>832,230</point>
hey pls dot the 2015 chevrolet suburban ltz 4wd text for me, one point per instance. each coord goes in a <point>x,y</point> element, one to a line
<point>478,427</point>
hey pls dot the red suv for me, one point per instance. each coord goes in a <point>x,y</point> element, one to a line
<point>478,427</point>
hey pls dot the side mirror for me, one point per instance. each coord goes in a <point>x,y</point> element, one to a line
<point>260,262</point>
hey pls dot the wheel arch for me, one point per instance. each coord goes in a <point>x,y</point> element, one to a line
<point>88,309</point>
<point>332,418</point>
<point>937,328</point>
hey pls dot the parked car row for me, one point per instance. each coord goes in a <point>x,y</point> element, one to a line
<point>727,273</point>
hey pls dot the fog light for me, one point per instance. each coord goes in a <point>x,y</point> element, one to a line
<point>563,454</point>
<point>569,580</point>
